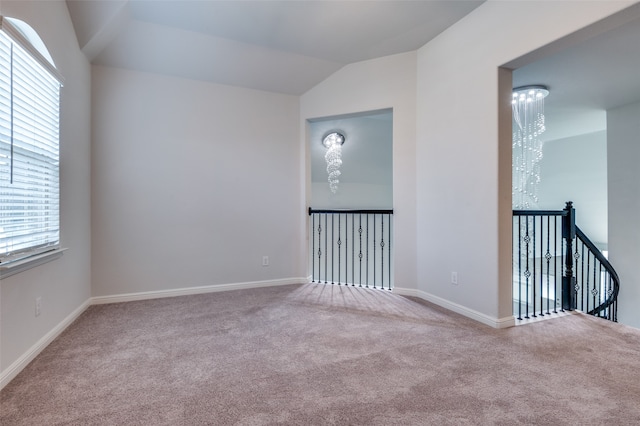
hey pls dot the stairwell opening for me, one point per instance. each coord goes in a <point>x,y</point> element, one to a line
<point>350,224</point>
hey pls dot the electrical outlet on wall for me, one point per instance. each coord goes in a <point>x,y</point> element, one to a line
<point>454,278</point>
<point>38,305</point>
<point>265,260</point>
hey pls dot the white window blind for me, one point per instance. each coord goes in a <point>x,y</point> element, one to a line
<point>29,151</point>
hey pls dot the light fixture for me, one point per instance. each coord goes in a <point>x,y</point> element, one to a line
<point>527,104</point>
<point>333,141</point>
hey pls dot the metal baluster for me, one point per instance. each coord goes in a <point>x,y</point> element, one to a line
<point>541,293</point>
<point>555,265</point>
<point>577,282</point>
<point>548,257</point>
<point>313,248</point>
<point>339,245</point>
<point>595,289</point>
<point>604,274</point>
<point>609,293</point>
<point>346,249</point>
<point>527,273</point>
<point>367,253</point>
<point>360,254</point>
<point>374,251</point>
<point>541,266</point>
<point>602,291</point>
<point>533,262</point>
<point>520,267</point>
<point>326,248</point>
<point>353,245</point>
<point>319,248</point>
<point>586,308</point>
<point>582,275</point>
<point>389,251</point>
<point>333,247</point>
<point>593,286</point>
<point>607,287</point>
<point>579,275</point>
<point>614,309</point>
<point>562,266</point>
<point>382,251</point>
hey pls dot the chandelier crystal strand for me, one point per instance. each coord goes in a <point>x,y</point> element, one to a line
<point>528,126</point>
<point>333,142</point>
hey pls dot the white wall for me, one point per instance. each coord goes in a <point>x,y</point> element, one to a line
<point>575,169</point>
<point>192,184</point>
<point>388,82</point>
<point>623,134</point>
<point>63,284</point>
<point>352,196</point>
<point>464,148</point>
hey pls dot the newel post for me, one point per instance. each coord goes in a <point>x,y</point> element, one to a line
<point>569,280</point>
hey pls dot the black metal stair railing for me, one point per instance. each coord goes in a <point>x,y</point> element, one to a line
<point>557,268</point>
<point>537,262</point>
<point>597,283</point>
<point>351,247</point>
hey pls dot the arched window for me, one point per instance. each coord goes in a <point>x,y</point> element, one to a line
<point>29,145</point>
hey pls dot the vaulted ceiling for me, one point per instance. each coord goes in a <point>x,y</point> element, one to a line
<point>290,46</point>
<point>280,46</point>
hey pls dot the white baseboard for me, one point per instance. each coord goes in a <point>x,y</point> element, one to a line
<point>462,310</point>
<point>130,297</point>
<point>12,371</point>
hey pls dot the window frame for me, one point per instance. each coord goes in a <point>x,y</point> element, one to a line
<point>21,34</point>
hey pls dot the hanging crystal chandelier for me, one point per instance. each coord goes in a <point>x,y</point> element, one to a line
<point>528,125</point>
<point>333,142</point>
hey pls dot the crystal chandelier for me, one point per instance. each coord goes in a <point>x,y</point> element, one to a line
<point>528,125</point>
<point>333,142</point>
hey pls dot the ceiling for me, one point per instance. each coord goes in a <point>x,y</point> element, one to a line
<point>279,46</point>
<point>290,46</point>
<point>586,79</point>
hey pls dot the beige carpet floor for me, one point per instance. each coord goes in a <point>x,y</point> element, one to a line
<point>320,354</point>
